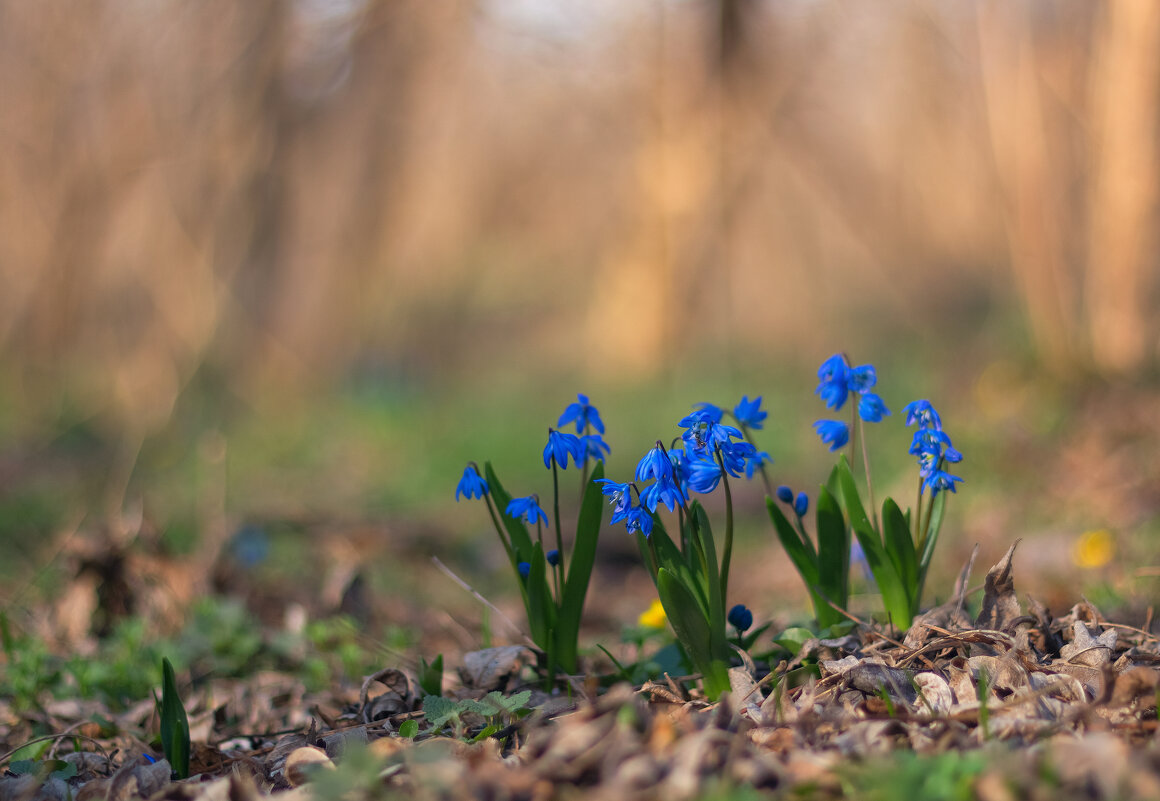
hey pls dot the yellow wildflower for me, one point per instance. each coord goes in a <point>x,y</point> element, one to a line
<point>1094,549</point>
<point>654,616</point>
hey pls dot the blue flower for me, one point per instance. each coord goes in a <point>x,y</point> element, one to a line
<point>703,435</point>
<point>749,413</point>
<point>930,441</point>
<point>524,568</point>
<point>754,462</point>
<point>594,447</point>
<point>740,617</point>
<point>833,377</point>
<point>736,456</point>
<point>560,446</point>
<point>862,378</point>
<point>715,412</point>
<point>704,476</point>
<point>553,557</point>
<point>471,485</point>
<point>528,508</point>
<point>801,504</point>
<point>620,498</point>
<point>639,520</point>
<point>923,413</point>
<point>785,494</point>
<point>871,408</point>
<point>583,414</point>
<point>939,480</point>
<point>655,464</point>
<point>664,491</point>
<point>834,433</point>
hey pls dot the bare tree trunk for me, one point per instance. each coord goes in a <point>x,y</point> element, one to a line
<point>1122,235</point>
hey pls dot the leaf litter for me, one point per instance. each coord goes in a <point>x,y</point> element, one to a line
<point>1059,707</point>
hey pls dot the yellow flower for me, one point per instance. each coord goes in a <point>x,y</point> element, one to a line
<point>654,617</point>
<point>1094,549</point>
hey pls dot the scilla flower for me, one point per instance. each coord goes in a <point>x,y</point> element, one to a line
<point>785,494</point>
<point>837,379</point>
<point>471,485</point>
<point>748,412</point>
<point>527,508</point>
<point>560,446</point>
<point>583,414</point>
<point>619,499</point>
<point>834,433</point>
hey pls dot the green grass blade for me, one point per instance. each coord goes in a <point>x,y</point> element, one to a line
<point>669,557</point>
<point>174,723</point>
<point>580,569</point>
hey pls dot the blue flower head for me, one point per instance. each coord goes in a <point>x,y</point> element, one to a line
<point>834,433</point>
<point>560,446</point>
<point>471,485</point>
<point>785,494</point>
<point>715,412</point>
<point>664,491</point>
<point>833,378</point>
<point>923,413</point>
<point>801,504</point>
<point>553,557</point>
<point>620,502</point>
<point>583,414</point>
<point>525,569</point>
<point>871,408</point>
<point>527,508</point>
<point>704,476</point>
<point>755,462</point>
<point>740,617</point>
<point>749,413</point>
<point>736,456</point>
<point>639,520</point>
<point>655,464</point>
<point>862,378</point>
<point>594,447</point>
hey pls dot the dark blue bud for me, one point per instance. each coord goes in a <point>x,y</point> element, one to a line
<point>740,617</point>
<point>524,568</point>
<point>785,494</point>
<point>801,504</point>
<point>553,557</point>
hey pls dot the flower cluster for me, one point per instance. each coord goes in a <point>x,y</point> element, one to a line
<point>837,381</point>
<point>710,449</point>
<point>932,446</point>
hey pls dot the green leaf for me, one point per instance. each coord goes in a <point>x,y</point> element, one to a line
<point>174,723</point>
<point>541,607</point>
<point>669,557</point>
<point>409,729</point>
<point>439,710</point>
<point>686,618</point>
<point>833,558</point>
<point>938,508</point>
<point>801,553</point>
<point>431,676</point>
<point>485,733</point>
<point>579,571</point>
<point>900,548</point>
<point>792,639</point>
<point>718,637</point>
<point>895,597</point>
<point>517,532</point>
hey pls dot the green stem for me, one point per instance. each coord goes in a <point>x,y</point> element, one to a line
<point>869,482</point>
<point>499,529</point>
<point>559,537</point>
<point>727,556</point>
<point>919,532</point>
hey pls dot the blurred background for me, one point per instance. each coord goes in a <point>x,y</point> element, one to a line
<point>273,271</point>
